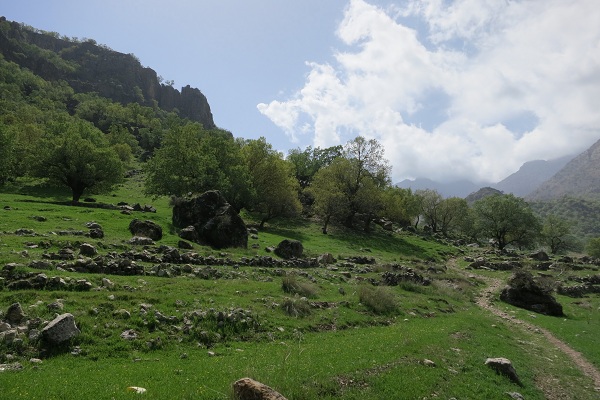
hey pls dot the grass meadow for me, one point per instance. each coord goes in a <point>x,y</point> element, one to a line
<point>312,333</point>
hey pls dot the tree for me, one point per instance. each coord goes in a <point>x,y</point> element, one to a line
<point>308,161</point>
<point>593,247</point>
<point>507,220</point>
<point>556,233</point>
<point>400,205</point>
<point>452,212</point>
<point>78,156</point>
<point>430,204</point>
<point>7,154</point>
<point>194,160</point>
<point>274,187</point>
<point>359,176</point>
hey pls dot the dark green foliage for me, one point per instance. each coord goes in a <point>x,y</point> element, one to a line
<point>507,220</point>
<point>593,247</point>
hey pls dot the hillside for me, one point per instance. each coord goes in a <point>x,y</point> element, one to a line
<point>580,178</point>
<point>91,68</point>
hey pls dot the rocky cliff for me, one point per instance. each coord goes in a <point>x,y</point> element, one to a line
<point>88,67</point>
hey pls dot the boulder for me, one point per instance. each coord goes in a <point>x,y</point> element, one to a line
<point>215,222</point>
<point>15,314</point>
<point>249,389</point>
<point>523,291</point>
<point>60,329</point>
<point>289,249</point>
<point>326,258</point>
<point>87,249</point>
<point>539,256</point>
<point>147,228</point>
<point>503,366</point>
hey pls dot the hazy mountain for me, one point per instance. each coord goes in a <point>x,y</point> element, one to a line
<point>481,193</point>
<point>579,178</point>
<point>88,67</point>
<point>452,189</point>
<point>531,175</point>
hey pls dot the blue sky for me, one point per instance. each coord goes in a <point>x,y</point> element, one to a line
<point>464,89</point>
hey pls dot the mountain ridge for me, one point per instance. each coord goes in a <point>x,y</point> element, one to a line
<point>88,67</point>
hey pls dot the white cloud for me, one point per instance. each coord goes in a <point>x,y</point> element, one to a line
<point>499,64</point>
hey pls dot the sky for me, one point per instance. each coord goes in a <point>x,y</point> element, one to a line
<point>464,89</point>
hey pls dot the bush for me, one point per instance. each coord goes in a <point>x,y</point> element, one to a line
<point>379,300</point>
<point>291,284</point>
<point>296,307</point>
<point>593,247</point>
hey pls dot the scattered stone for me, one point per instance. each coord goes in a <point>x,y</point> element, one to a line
<point>428,363</point>
<point>503,366</point>
<point>55,306</point>
<point>182,244</point>
<point>516,395</point>
<point>147,228</point>
<point>11,367</point>
<point>129,334</point>
<point>249,389</point>
<point>87,250</point>
<point>60,329</point>
<point>107,283</point>
<point>539,256</point>
<point>39,218</point>
<point>326,259</point>
<point>140,241</point>
<point>289,249</point>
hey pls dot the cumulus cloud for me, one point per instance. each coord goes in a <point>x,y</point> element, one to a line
<point>484,87</point>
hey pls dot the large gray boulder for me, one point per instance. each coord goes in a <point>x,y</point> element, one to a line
<point>503,366</point>
<point>60,329</point>
<point>15,314</point>
<point>149,229</point>
<point>524,292</point>
<point>216,223</point>
<point>289,249</point>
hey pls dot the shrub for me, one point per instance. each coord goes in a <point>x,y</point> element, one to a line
<point>296,307</point>
<point>291,284</point>
<point>593,247</point>
<point>379,299</point>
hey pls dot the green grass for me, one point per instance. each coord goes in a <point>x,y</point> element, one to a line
<point>322,338</point>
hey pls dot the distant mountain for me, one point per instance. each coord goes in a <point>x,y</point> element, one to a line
<point>481,193</point>
<point>531,175</point>
<point>89,67</point>
<point>579,178</point>
<point>452,189</point>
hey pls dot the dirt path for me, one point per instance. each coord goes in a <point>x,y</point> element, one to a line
<point>485,300</point>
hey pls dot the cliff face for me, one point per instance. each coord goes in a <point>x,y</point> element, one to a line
<point>88,67</point>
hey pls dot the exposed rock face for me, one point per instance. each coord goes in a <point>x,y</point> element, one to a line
<point>503,366</point>
<point>215,222</point>
<point>60,329</point>
<point>249,389</point>
<point>522,291</point>
<point>99,69</point>
<point>289,249</point>
<point>149,229</point>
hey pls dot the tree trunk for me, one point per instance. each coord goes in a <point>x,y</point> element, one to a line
<point>326,223</point>
<point>77,192</point>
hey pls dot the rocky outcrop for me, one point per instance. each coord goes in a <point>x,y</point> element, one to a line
<point>215,222</point>
<point>524,292</point>
<point>249,389</point>
<point>89,67</point>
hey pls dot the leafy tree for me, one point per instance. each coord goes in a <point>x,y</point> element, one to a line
<point>359,176</point>
<point>194,160</point>
<point>556,234</point>
<point>273,182</point>
<point>452,212</point>
<point>400,205</point>
<point>308,161</point>
<point>507,220</point>
<point>430,207</point>
<point>7,154</point>
<point>328,191</point>
<point>78,156</point>
<point>593,247</point>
